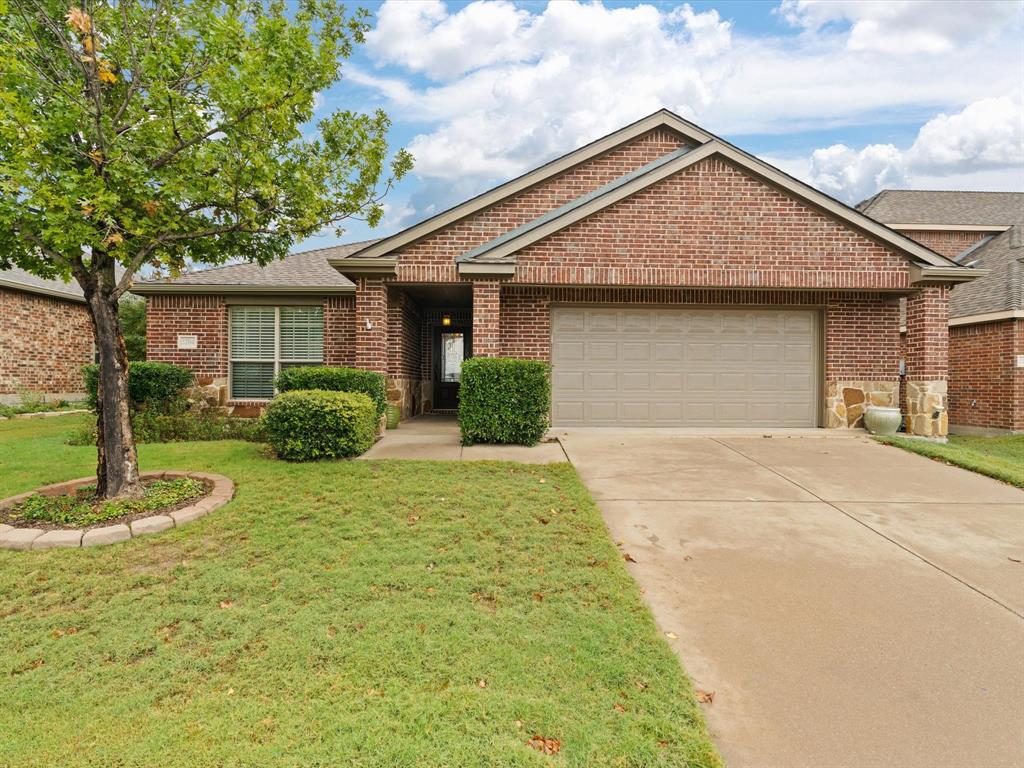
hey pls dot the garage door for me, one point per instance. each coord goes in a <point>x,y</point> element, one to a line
<point>685,368</point>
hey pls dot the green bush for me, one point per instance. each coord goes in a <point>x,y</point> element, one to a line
<point>371,384</point>
<point>303,425</point>
<point>155,386</point>
<point>504,400</point>
<point>187,427</point>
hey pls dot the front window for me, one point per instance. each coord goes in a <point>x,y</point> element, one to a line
<point>265,340</point>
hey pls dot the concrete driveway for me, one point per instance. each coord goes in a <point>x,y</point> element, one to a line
<point>849,604</point>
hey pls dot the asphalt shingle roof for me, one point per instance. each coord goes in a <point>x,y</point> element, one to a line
<point>1002,289</point>
<point>19,279</point>
<point>303,269</point>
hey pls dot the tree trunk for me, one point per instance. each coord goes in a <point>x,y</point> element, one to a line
<point>117,469</point>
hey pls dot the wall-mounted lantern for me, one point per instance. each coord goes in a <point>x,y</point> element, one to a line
<point>446,320</point>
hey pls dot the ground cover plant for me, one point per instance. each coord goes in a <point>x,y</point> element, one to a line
<point>83,509</point>
<point>357,613</point>
<point>999,457</point>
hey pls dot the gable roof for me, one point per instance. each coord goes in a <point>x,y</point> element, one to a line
<point>945,208</point>
<point>500,252</point>
<point>300,272</point>
<point>20,280</point>
<point>1000,254</point>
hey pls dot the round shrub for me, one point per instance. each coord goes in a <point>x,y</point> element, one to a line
<point>153,386</point>
<point>504,400</point>
<point>304,425</point>
<point>370,383</point>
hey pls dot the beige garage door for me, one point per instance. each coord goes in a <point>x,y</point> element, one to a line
<point>683,368</point>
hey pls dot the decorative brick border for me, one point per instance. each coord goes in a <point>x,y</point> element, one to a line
<point>37,538</point>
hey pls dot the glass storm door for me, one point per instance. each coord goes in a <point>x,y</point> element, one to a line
<point>451,347</point>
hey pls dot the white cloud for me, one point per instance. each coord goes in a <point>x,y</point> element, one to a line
<point>905,26</point>
<point>986,135</point>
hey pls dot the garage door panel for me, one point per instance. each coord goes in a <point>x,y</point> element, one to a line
<point>672,367</point>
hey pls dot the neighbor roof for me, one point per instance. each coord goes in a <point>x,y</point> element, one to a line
<point>1002,289</point>
<point>300,272</point>
<point>20,280</point>
<point>911,206</point>
<point>701,144</point>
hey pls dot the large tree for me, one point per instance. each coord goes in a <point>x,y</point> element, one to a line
<point>161,133</point>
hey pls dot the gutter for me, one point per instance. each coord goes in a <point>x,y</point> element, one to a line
<point>920,273</point>
<point>356,268</point>
<point>16,286</point>
<point>150,289</point>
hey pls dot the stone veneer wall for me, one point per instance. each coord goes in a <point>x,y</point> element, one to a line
<point>44,342</point>
<point>845,401</point>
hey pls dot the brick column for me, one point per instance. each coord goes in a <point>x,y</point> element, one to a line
<point>371,317</point>
<point>927,361</point>
<point>486,318</point>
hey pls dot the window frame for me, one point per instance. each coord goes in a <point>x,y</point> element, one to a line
<point>277,360</point>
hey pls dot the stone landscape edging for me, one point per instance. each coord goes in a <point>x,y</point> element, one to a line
<point>37,538</point>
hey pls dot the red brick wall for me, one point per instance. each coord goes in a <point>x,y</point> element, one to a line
<point>403,336</point>
<point>947,243</point>
<point>711,225</point>
<point>433,258</point>
<point>985,388</point>
<point>927,344</point>
<point>340,330</point>
<point>486,318</point>
<point>372,309</point>
<point>205,316</point>
<point>861,329</point>
<point>44,342</point>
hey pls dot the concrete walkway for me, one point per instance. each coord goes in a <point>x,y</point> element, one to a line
<point>437,437</point>
<point>848,603</point>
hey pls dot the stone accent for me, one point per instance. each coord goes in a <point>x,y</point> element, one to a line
<point>927,414</point>
<point>44,342</point>
<point>35,538</point>
<point>52,539</point>
<point>108,534</point>
<point>845,401</point>
<point>405,393</point>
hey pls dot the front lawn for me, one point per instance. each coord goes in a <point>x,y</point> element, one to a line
<point>347,613</point>
<point>998,457</point>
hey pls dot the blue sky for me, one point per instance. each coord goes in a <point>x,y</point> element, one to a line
<point>849,95</point>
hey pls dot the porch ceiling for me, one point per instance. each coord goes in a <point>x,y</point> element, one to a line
<point>440,295</point>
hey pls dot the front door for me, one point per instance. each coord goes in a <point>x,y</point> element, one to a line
<point>451,347</point>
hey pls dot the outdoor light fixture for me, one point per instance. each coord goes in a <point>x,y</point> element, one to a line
<point>369,324</point>
<point>446,320</point>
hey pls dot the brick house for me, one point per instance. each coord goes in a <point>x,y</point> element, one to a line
<point>670,278</point>
<point>45,337</point>
<point>986,316</point>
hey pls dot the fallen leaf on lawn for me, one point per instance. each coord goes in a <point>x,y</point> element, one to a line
<point>231,691</point>
<point>542,480</point>
<point>671,635</point>
<point>430,566</point>
<point>662,744</point>
<point>619,708</point>
<point>227,603</point>
<point>421,628</point>
<point>538,596</point>
<point>641,685</point>
<point>481,683</point>
<point>331,631</point>
<point>519,724</point>
<point>544,745</point>
<point>705,697</point>
<point>628,557</point>
<point>543,520</point>
<point>374,692</point>
<point>413,518</point>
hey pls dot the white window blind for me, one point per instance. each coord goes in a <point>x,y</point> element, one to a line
<point>264,340</point>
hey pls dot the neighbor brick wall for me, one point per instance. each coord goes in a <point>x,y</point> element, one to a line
<point>44,342</point>
<point>947,243</point>
<point>861,329</point>
<point>206,316</point>
<point>985,387</point>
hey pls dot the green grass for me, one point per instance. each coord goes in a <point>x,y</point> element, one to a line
<point>998,457</point>
<point>339,613</point>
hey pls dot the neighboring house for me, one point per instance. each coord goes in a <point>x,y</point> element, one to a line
<point>670,278</point>
<point>45,338</point>
<point>986,323</point>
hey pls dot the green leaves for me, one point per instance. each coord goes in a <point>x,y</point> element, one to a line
<point>504,400</point>
<point>163,134</point>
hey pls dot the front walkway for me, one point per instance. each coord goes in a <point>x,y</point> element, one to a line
<point>847,603</point>
<point>437,437</point>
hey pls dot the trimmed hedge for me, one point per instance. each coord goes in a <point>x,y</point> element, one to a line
<point>504,400</point>
<point>154,386</point>
<point>303,425</point>
<point>371,384</point>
